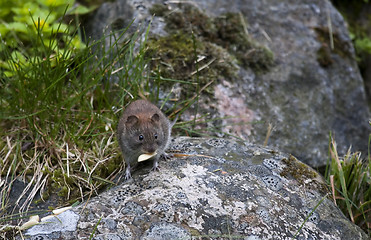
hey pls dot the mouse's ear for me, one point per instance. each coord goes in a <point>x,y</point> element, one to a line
<point>155,117</point>
<point>132,119</point>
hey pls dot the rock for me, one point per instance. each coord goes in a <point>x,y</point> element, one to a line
<point>65,221</point>
<point>312,87</point>
<point>213,188</point>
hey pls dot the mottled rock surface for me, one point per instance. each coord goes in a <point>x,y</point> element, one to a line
<point>215,188</point>
<point>313,87</point>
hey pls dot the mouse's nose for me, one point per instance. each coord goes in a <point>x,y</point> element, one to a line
<point>150,149</point>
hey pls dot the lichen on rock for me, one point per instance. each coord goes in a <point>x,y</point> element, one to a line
<point>213,188</point>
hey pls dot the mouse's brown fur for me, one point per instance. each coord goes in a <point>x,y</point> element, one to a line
<point>143,129</point>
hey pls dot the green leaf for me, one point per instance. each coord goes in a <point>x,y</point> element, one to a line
<point>80,9</point>
<point>18,57</point>
<point>9,73</point>
<point>59,27</point>
<point>25,9</point>
<point>3,30</point>
<point>77,43</point>
<point>364,45</point>
<point>5,10</point>
<point>18,27</point>
<point>56,3</point>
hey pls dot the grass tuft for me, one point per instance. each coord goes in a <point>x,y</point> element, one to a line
<point>350,179</point>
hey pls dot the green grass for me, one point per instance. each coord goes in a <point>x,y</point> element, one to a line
<point>59,113</point>
<point>62,108</point>
<point>350,180</point>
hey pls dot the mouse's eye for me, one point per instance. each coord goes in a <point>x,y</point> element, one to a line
<point>141,137</point>
<point>155,135</point>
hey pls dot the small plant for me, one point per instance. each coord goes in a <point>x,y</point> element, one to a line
<point>29,25</point>
<point>362,45</point>
<point>350,179</point>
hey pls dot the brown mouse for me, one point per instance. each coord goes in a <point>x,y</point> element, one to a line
<point>143,129</point>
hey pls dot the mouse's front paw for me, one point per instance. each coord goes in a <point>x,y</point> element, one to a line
<point>155,166</point>
<point>166,156</point>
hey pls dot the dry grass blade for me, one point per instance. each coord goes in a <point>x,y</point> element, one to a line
<point>96,165</point>
<point>10,149</point>
<point>269,132</point>
<point>203,67</point>
<point>34,185</point>
<point>333,188</point>
<point>335,156</point>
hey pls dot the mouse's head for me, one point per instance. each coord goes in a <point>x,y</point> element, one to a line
<point>144,133</point>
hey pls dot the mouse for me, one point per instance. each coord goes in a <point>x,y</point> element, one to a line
<point>143,129</point>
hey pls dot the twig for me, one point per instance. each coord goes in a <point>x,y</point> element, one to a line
<point>203,67</point>
<point>329,26</point>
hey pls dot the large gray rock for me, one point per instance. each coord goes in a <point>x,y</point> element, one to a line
<point>214,188</point>
<point>310,90</point>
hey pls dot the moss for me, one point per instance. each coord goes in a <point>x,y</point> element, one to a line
<point>174,56</point>
<point>63,192</point>
<point>324,56</point>
<point>297,170</point>
<point>301,172</point>
<point>191,20</point>
<point>324,53</point>
<point>214,37</point>
<point>158,10</point>
<point>69,187</point>
<point>232,35</point>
